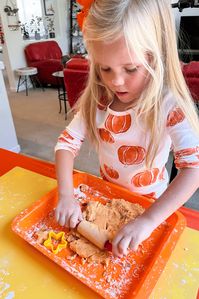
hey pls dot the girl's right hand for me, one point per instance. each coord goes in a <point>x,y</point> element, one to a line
<point>68,212</point>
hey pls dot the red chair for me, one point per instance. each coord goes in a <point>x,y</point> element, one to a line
<point>46,57</point>
<point>191,74</point>
<point>75,77</point>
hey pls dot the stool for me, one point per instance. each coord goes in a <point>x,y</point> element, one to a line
<point>28,72</point>
<point>62,96</point>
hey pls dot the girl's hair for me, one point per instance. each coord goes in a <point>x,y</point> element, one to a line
<point>148,28</point>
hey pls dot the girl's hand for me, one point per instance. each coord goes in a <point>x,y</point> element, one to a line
<point>131,235</point>
<point>68,212</point>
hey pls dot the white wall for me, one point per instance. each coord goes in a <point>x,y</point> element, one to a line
<point>13,49</point>
<point>8,139</point>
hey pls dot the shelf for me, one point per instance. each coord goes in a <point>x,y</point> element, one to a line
<point>76,41</point>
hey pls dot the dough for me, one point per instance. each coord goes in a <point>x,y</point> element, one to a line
<point>110,217</point>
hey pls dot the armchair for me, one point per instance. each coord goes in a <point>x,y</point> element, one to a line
<point>46,57</point>
<point>191,74</point>
<point>75,76</point>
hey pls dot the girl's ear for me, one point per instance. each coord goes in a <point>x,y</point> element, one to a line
<point>149,57</point>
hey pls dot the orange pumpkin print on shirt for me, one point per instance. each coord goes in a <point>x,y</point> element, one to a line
<point>129,155</point>
<point>185,164</point>
<point>106,136</point>
<point>103,175</point>
<point>150,195</point>
<point>111,172</point>
<point>145,178</point>
<point>176,116</point>
<point>186,152</point>
<point>64,136</point>
<point>118,124</point>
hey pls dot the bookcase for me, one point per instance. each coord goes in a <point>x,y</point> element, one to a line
<point>76,40</point>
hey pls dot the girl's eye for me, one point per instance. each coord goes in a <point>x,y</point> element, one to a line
<point>105,69</point>
<point>131,70</point>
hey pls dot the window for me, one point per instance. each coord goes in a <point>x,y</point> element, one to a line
<point>31,16</point>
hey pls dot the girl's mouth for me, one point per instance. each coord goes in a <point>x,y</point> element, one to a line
<point>119,93</point>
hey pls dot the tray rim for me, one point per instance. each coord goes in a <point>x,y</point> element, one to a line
<point>140,291</point>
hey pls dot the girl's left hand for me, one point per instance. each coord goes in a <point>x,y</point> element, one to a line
<point>131,235</point>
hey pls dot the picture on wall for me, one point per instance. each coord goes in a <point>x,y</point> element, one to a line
<point>49,7</point>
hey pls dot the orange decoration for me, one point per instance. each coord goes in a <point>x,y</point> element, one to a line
<point>176,116</point>
<point>84,12</point>
<point>106,136</point>
<point>129,155</point>
<point>145,178</point>
<point>118,124</point>
<point>111,172</point>
<point>85,3</point>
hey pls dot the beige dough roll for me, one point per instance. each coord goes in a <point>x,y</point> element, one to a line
<point>93,233</point>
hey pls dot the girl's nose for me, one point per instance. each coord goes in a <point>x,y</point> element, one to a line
<point>117,80</point>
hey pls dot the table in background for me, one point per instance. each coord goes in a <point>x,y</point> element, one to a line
<point>26,73</point>
<point>24,180</point>
<point>62,96</point>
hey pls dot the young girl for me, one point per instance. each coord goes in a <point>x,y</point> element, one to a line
<point>135,108</point>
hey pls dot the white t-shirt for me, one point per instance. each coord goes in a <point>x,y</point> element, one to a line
<point>123,145</point>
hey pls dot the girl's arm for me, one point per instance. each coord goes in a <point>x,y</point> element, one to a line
<point>177,193</point>
<point>68,210</point>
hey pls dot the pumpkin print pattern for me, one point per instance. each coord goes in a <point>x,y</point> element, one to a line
<point>112,173</point>
<point>186,152</point>
<point>64,136</point>
<point>118,124</point>
<point>103,175</point>
<point>180,156</point>
<point>176,116</point>
<point>145,178</point>
<point>150,195</point>
<point>106,136</point>
<point>129,155</point>
<point>185,164</point>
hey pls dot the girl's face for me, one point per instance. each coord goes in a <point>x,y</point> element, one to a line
<point>122,73</point>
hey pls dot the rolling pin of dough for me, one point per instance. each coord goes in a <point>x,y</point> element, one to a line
<point>97,236</point>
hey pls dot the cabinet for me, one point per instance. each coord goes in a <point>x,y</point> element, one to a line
<point>76,39</point>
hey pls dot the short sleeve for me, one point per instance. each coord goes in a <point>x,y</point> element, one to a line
<point>184,140</point>
<point>73,136</point>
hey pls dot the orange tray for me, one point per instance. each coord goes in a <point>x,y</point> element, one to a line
<point>133,276</point>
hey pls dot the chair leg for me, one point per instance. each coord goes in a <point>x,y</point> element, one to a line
<point>38,82</point>
<point>26,84</point>
<point>18,83</point>
<point>32,81</point>
<point>65,108</point>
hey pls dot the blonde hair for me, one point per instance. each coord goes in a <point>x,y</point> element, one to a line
<point>148,28</point>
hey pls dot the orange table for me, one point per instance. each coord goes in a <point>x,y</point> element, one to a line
<point>25,273</point>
